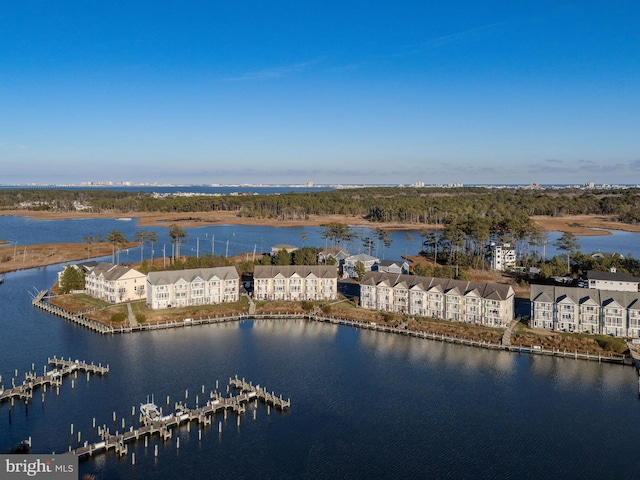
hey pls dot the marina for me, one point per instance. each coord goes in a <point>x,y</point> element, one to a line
<point>152,422</point>
<point>49,378</point>
<point>370,401</point>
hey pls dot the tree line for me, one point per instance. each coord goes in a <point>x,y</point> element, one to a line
<point>433,206</point>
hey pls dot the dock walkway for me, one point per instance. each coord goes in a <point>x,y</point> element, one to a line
<point>51,378</point>
<point>163,425</point>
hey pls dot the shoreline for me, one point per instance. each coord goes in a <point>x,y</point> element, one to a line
<point>579,225</point>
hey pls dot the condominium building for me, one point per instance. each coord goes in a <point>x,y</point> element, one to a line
<point>585,310</point>
<point>197,286</point>
<point>115,283</point>
<point>295,282</point>
<point>460,301</point>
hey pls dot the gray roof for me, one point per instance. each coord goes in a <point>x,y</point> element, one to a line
<point>611,277</point>
<point>496,291</point>
<point>110,271</point>
<point>320,271</point>
<point>169,277</point>
<point>554,294</point>
<point>388,263</point>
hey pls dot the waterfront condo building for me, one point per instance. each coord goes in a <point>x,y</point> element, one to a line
<point>115,283</point>
<point>295,282</point>
<point>585,310</point>
<point>488,304</point>
<point>197,286</point>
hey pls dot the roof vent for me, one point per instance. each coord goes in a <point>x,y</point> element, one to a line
<point>613,270</point>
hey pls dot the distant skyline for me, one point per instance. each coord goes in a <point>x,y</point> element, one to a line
<point>332,93</point>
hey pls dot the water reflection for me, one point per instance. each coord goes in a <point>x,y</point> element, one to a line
<point>366,403</point>
<point>295,328</point>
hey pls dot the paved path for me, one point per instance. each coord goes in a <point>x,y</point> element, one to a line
<point>506,337</point>
<point>132,318</point>
<point>252,306</point>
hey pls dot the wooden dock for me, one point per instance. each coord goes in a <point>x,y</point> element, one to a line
<point>261,393</point>
<point>163,425</point>
<point>52,378</point>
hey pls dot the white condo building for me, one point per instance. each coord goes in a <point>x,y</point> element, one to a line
<point>295,282</point>
<point>198,286</point>
<point>585,310</point>
<point>115,283</point>
<point>459,301</point>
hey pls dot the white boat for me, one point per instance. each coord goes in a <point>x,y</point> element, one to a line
<point>150,410</point>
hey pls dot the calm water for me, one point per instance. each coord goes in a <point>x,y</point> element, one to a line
<point>236,239</point>
<point>364,404</point>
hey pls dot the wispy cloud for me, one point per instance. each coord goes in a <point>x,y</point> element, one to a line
<point>273,73</point>
<point>439,42</point>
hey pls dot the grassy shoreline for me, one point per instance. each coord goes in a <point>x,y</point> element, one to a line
<point>522,335</point>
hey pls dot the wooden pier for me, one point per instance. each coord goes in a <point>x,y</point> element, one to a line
<point>261,393</point>
<point>152,422</point>
<point>51,378</point>
<point>39,302</point>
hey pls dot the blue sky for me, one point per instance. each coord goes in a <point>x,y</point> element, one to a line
<point>328,92</point>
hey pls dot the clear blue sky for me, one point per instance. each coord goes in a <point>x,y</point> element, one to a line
<point>329,92</point>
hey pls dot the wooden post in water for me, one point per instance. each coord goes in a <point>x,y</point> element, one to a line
<point>220,427</point>
<point>133,458</point>
<point>156,451</point>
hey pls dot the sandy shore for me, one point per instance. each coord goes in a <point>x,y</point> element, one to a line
<point>581,225</point>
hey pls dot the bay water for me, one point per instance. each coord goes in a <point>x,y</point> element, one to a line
<point>364,404</point>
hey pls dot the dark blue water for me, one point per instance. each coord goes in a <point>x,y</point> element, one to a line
<point>364,404</point>
<point>236,239</point>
